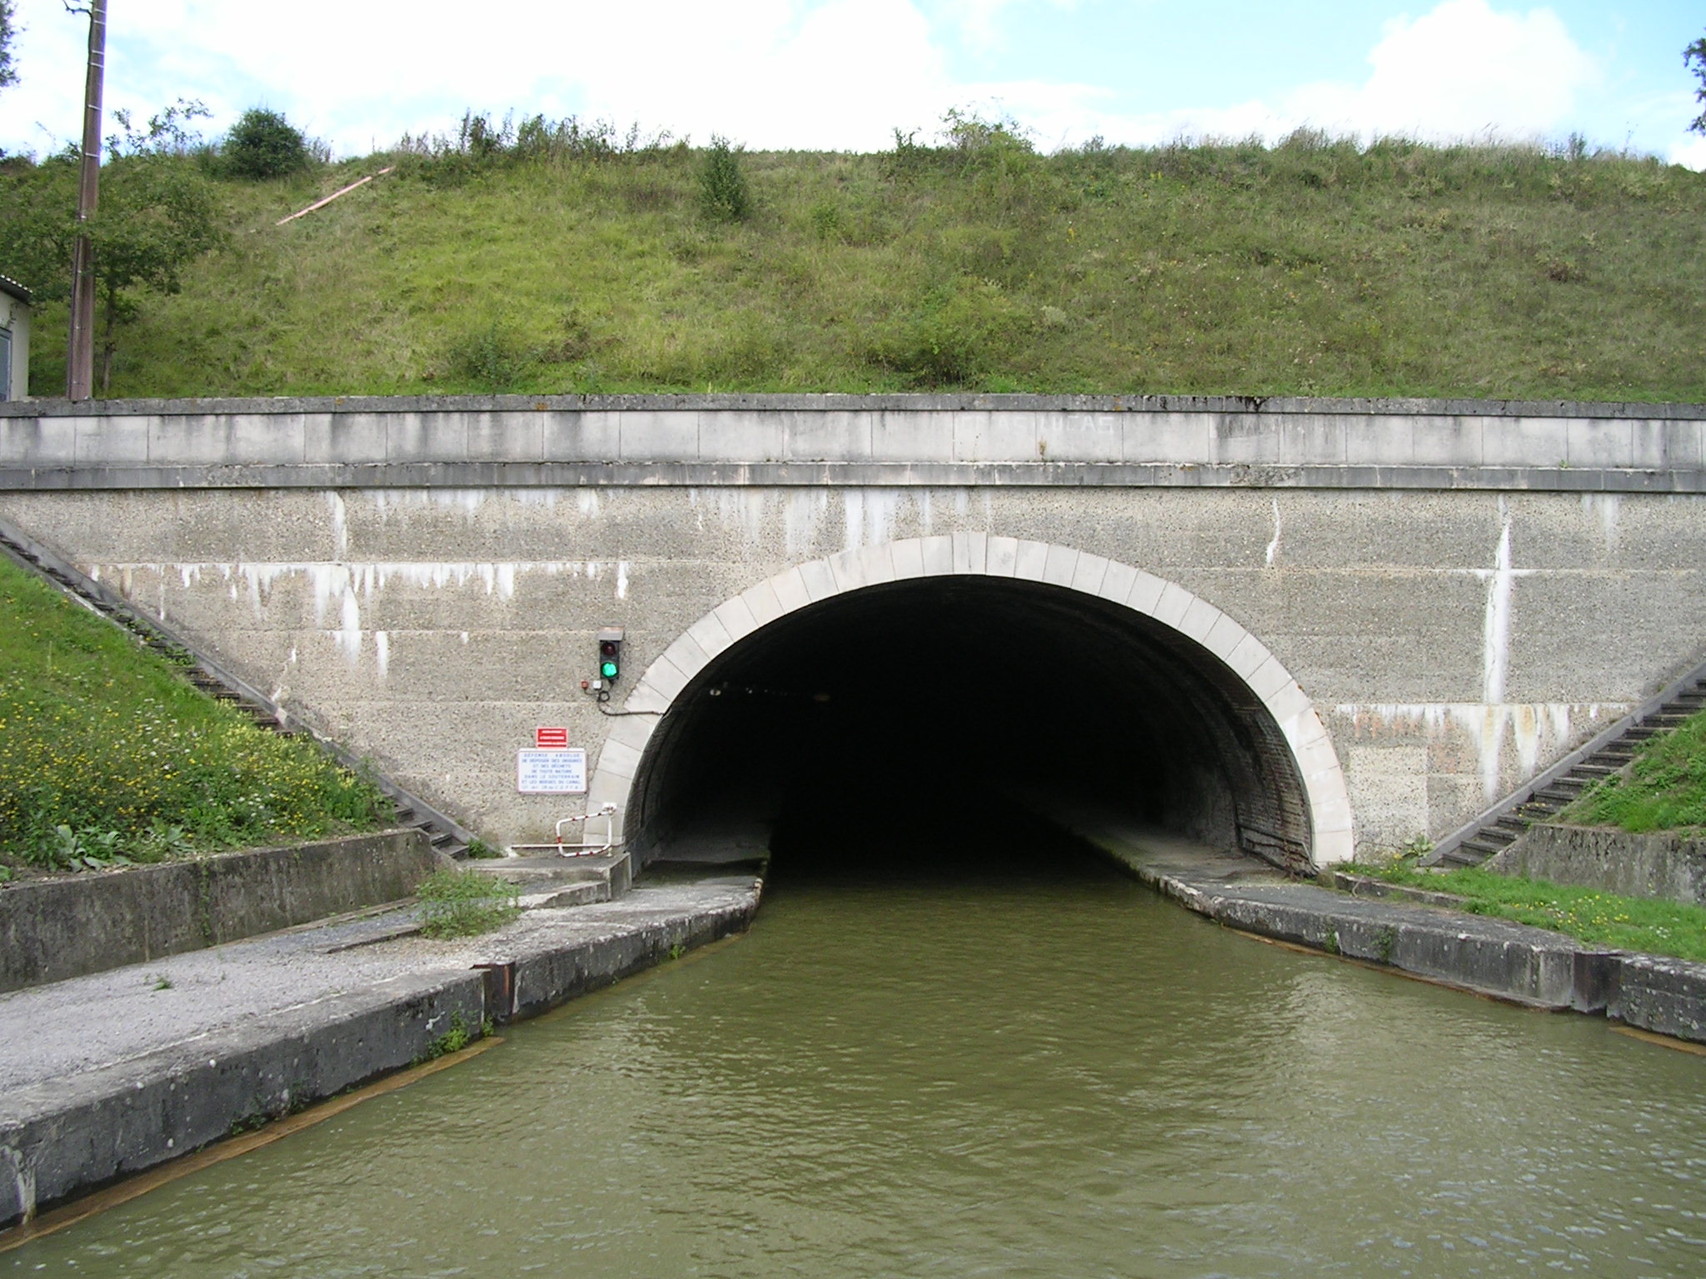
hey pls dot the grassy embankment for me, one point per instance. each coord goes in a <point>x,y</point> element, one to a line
<point>107,756</point>
<point>1664,788</point>
<point>1312,267</point>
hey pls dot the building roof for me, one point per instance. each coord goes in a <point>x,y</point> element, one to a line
<point>15,289</point>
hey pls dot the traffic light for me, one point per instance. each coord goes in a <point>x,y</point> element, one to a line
<point>610,654</point>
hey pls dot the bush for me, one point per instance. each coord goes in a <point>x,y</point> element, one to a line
<point>960,333</point>
<point>722,187</point>
<point>263,144</point>
<point>493,357</point>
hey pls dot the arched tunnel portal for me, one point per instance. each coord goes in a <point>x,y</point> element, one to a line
<point>891,713</point>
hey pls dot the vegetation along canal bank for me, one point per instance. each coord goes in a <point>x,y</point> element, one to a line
<point>1310,267</point>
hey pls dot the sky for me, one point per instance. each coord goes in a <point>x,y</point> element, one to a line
<point>844,75</point>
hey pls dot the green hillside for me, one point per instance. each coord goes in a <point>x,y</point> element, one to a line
<point>567,262</point>
<point>106,755</point>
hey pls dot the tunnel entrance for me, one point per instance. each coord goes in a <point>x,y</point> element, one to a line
<point>892,719</point>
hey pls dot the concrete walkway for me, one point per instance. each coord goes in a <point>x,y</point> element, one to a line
<point>107,1075</point>
<point>1509,961</point>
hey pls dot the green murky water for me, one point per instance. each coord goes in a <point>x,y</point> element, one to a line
<point>1001,1076</point>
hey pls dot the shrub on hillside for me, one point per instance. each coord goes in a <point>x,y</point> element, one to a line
<point>491,357</point>
<point>263,144</point>
<point>722,186</point>
<point>960,333</point>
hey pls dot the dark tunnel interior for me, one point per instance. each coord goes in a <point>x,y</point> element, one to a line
<point>913,719</point>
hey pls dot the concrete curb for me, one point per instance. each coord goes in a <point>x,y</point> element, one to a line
<point>63,1137</point>
<point>842,402</point>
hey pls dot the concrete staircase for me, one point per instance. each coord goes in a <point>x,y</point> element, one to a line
<point>1546,795</point>
<point>444,833</point>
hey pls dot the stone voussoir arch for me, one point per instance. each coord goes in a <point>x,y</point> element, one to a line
<point>986,555</point>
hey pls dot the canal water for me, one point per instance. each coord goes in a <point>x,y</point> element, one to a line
<point>998,1072</point>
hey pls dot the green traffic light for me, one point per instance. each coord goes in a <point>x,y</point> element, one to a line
<point>607,669</point>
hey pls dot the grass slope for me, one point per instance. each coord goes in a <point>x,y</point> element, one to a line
<point>1664,787</point>
<point>1313,267</point>
<point>101,737</point>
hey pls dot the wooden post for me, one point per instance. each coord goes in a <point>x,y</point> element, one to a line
<point>80,359</point>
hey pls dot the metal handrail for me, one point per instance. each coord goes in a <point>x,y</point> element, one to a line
<point>584,849</point>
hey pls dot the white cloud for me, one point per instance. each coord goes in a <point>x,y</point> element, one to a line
<point>770,73</point>
<point>1690,154</point>
<point>1462,70</point>
<point>978,22</point>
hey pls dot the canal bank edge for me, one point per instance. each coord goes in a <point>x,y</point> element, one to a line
<point>1508,961</point>
<point>66,1136</point>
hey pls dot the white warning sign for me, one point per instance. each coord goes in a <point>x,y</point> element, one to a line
<point>551,772</point>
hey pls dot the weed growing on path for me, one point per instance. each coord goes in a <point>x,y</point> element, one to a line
<point>462,903</point>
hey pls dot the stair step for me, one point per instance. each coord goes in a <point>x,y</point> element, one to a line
<point>1457,857</point>
<point>1486,845</point>
<point>1619,755</point>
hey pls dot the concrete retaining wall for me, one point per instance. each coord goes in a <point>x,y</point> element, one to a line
<point>53,929</point>
<point>1662,864</point>
<point>1496,957</point>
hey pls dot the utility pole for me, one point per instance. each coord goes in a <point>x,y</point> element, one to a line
<point>80,359</point>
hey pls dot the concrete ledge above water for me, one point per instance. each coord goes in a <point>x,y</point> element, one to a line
<point>1508,961</point>
<point>116,1073</point>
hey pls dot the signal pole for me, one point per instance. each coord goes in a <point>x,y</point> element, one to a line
<point>80,358</point>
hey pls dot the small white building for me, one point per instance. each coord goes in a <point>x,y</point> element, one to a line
<point>14,340</point>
